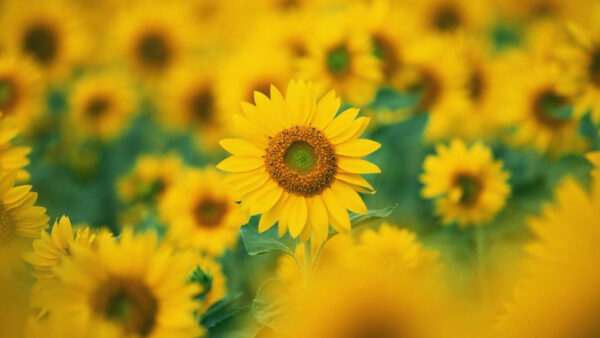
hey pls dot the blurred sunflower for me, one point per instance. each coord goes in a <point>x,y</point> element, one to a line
<point>47,32</point>
<point>298,165</point>
<point>146,295</point>
<point>201,213</point>
<point>594,158</point>
<point>559,295</point>
<point>550,10</point>
<point>450,16</point>
<point>20,91</point>
<point>214,285</point>
<point>193,99</point>
<point>20,222</point>
<point>12,158</point>
<point>433,75</point>
<point>152,37</point>
<point>469,186</point>
<point>542,109</point>
<point>150,178</point>
<point>102,105</point>
<point>341,59</point>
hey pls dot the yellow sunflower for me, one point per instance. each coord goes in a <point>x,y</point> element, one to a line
<point>101,105</point>
<point>20,91</point>
<point>20,222</point>
<point>12,158</point>
<point>341,58</point>
<point>150,178</point>
<point>434,74</point>
<point>47,32</point>
<point>145,295</point>
<point>450,16</point>
<point>469,186</point>
<point>298,163</point>
<point>550,10</point>
<point>152,37</point>
<point>594,157</point>
<point>540,107</point>
<point>201,213</point>
<point>559,295</point>
<point>192,98</point>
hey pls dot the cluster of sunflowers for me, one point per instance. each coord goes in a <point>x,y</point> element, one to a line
<point>179,212</point>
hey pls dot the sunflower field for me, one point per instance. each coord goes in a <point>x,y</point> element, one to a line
<point>300,168</point>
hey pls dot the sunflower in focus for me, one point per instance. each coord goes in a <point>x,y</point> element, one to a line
<point>152,37</point>
<point>150,178</point>
<point>193,99</point>
<point>145,295</point>
<point>48,33</point>
<point>20,222</point>
<point>20,92</point>
<point>542,108</point>
<point>341,58</point>
<point>468,185</point>
<point>298,163</point>
<point>102,105</point>
<point>562,272</point>
<point>12,158</point>
<point>200,213</point>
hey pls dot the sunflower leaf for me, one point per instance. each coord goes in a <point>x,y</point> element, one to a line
<point>272,296</point>
<point>371,216</point>
<point>222,310</point>
<point>259,243</point>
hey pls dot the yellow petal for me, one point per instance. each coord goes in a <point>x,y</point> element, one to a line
<point>241,147</point>
<point>268,219</point>
<point>357,148</point>
<point>326,109</point>
<point>238,164</point>
<point>338,215</point>
<point>357,166</point>
<point>353,131</point>
<point>355,180</point>
<point>318,217</point>
<point>348,197</point>
<point>297,216</point>
<point>341,122</point>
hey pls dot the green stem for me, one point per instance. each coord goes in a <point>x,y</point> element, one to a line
<point>308,261</point>
<point>480,252</point>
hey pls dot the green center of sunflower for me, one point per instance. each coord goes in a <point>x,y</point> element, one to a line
<point>594,67</point>
<point>153,51</point>
<point>552,109</point>
<point>301,160</point>
<point>128,302</point>
<point>201,105</point>
<point>338,61</point>
<point>8,94</point>
<point>7,226</point>
<point>300,157</point>
<point>41,43</point>
<point>446,18</point>
<point>470,187</point>
<point>476,86</point>
<point>209,212</point>
<point>97,107</point>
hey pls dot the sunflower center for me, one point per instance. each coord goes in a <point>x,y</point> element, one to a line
<point>40,41</point>
<point>209,212</point>
<point>446,18</point>
<point>594,67</point>
<point>8,94</point>
<point>153,51</point>
<point>338,61</point>
<point>97,107</point>
<point>301,160</point>
<point>429,90</point>
<point>470,187</point>
<point>551,108</point>
<point>383,50</point>
<point>201,105</point>
<point>128,302</point>
<point>476,86</point>
<point>7,226</point>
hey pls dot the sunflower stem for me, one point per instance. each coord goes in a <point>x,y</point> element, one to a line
<point>308,261</point>
<point>480,251</point>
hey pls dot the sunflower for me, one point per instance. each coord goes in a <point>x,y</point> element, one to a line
<point>548,10</point>
<point>451,16</point>
<point>594,158</point>
<point>102,105</point>
<point>193,99</point>
<point>214,287</point>
<point>298,165</point>
<point>20,92</point>
<point>12,158</point>
<point>342,59</point>
<point>358,305</point>
<point>152,37</point>
<point>47,32</point>
<point>201,213</point>
<point>150,178</point>
<point>468,185</point>
<point>20,222</point>
<point>541,107</point>
<point>433,74</point>
<point>559,296</point>
<point>146,295</point>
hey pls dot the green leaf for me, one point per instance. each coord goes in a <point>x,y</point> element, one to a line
<point>272,296</point>
<point>371,216</point>
<point>222,310</point>
<point>204,279</point>
<point>268,241</point>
